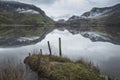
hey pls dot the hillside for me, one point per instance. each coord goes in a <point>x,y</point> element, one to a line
<point>20,19</point>
<point>100,12</point>
<point>105,15</point>
<point>106,20</point>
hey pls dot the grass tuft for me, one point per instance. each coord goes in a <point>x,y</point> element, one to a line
<point>13,71</point>
<point>58,68</point>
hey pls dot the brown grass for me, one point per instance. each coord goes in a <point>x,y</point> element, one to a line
<point>59,68</point>
<point>14,71</point>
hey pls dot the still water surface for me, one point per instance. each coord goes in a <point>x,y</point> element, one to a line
<point>74,46</point>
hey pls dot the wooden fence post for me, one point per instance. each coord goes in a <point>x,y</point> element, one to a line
<point>41,51</point>
<point>49,48</point>
<point>60,50</point>
<point>29,54</point>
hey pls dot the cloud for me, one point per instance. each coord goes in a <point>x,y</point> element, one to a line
<point>103,2</point>
<point>45,2</point>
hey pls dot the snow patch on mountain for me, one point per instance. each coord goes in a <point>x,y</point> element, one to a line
<point>23,39</point>
<point>74,18</point>
<point>21,10</point>
<point>97,13</point>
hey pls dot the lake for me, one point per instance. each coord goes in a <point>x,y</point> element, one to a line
<point>104,55</point>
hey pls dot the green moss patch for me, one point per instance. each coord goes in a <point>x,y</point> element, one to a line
<point>58,68</point>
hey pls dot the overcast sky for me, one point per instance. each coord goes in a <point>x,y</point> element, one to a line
<point>66,8</point>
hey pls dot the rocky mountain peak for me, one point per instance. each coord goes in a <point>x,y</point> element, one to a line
<point>96,12</point>
<point>18,7</point>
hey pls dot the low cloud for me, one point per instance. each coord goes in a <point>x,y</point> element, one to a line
<point>45,2</point>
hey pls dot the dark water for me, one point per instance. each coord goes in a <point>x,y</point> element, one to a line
<point>74,46</point>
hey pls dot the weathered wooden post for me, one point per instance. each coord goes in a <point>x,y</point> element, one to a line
<point>29,54</point>
<point>49,48</point>
<point>60,50</point>
<point>41,51</point>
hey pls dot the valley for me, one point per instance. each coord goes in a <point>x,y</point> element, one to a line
<point>90,44</point>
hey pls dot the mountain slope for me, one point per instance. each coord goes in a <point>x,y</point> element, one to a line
<point>97,12</point>
<point>106,20</point>
<point>13,9</point>
<point>12,6</point>
<point>20,19</point>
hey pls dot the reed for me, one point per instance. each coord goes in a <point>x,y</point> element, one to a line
<point>16,71</point>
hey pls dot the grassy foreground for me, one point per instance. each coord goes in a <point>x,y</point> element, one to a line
<point>58,68</point>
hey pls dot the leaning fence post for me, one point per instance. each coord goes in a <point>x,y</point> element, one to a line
<point>60,50</point>
<point>49,48</point>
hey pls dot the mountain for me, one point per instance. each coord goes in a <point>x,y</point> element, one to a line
<point>106,20</point>
<point>77,19</point>
<point>17,7</point>
<point>61,21</point>
<point>20,19</point>
<point>97,12</point>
